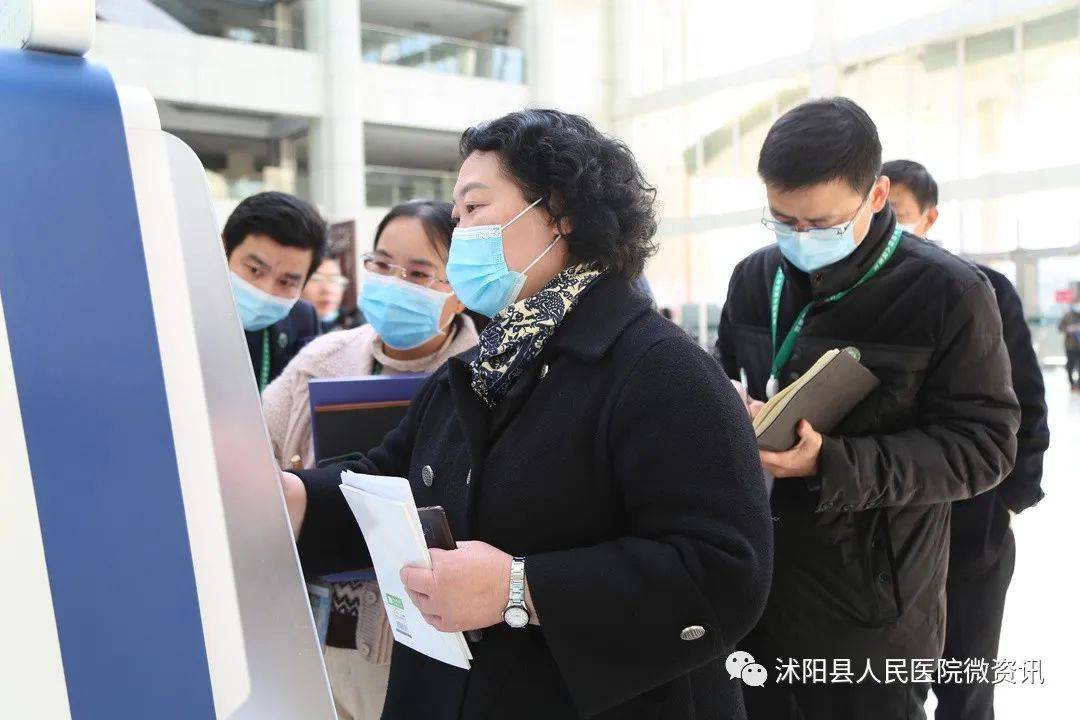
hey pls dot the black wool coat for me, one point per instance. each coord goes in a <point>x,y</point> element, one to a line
<point>623,467</point>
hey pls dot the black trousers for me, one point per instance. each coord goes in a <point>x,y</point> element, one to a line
<point>976,603</point>
<point>1072,366</point>
<point>859,701</point>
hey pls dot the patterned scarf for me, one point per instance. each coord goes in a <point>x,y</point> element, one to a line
<point>518,333</point>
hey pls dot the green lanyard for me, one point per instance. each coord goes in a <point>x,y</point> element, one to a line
<point>781,356</point>
<point>264,373</point>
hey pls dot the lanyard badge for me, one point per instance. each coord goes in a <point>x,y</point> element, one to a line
<point>781,355</point>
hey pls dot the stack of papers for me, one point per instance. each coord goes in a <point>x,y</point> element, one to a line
<point>386,512</point>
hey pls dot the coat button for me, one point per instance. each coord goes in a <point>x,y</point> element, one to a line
<point>694,632</point>
<point>370,598</point>
<point>543,371</point>
<point>427,475</point>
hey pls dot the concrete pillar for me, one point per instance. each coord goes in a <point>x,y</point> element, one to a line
<point>824,74</point>
<point>337,139</point>
<point>1027,282</point>
<point>539,19</point>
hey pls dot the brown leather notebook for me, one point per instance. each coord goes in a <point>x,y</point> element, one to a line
<point>824,395</point>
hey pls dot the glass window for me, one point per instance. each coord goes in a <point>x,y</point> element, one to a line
<point>986,46</point>
<point>1046,219</point>
<point>934,112</point>
<point>1005,267</point>
<point>722,37</point>
<point>237,167</point>
<point>940,56</point>
<point>271,22</point>
<point>1055,274</point>
<point>1051,30</point>
<point>1050,96</point>
<point>946,230</point>
<point>989,133</point>
<point>883,87</point>
<point>387,186</point>
<point>988,225</point>
<point>434,53</point>
<point>714,254</point>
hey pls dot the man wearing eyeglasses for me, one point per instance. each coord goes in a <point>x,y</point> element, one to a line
<point>861,516</point>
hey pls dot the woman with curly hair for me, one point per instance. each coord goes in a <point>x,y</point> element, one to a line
<point>600,474</point>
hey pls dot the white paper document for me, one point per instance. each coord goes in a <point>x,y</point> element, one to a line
<point>386,512</point>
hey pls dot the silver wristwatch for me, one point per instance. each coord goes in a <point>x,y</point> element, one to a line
<point>516,614</point>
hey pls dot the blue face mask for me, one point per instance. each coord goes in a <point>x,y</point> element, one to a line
<point>477,268</point>
<point>258,309</point>
<point>404,315</point>
<point>331,316</point>
<point>809,252</point>
<point>815,248</point>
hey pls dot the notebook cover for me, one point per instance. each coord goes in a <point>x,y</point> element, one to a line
<point>825,400</point>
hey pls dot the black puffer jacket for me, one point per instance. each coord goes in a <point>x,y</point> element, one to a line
<point>862,548</point>
<point>980,524</point>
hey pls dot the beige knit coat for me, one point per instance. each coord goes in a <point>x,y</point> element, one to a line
<point>346,353</point>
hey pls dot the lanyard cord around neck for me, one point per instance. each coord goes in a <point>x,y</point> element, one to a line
<point>783,354</point>
<point>264,372</point>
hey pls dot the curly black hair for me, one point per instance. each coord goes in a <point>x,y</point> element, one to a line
<point>584,177</point>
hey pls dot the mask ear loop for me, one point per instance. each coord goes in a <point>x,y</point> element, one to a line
<point>541,256</point>
<point>444,328</point>
<point>511,220</point>
<point>547,249</point>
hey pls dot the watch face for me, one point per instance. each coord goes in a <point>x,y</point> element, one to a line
<point>516,617</point>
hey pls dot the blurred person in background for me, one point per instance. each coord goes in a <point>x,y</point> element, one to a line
<point>982,550</point>
<point>274,242</point>
<point>325,290</point>
<point>1070,328</point>
<point>415,323</point>
<point>861,515</point>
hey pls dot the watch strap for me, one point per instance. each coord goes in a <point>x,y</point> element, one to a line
<point>517,582</point>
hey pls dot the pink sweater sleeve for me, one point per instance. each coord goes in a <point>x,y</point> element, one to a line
<point>277,402</point>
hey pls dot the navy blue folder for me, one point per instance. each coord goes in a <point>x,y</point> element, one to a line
<point>352,415</point>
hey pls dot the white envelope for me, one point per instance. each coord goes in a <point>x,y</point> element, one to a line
<point>386,512</point>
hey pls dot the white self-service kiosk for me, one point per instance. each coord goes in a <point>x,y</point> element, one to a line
<point>147,565</point>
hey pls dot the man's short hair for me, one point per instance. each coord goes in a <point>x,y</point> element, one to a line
<point>285,218</point>
<point>820,141</point>
<point>916,178</point>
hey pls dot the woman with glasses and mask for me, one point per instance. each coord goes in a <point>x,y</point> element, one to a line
<point>325,290</point>
<point>599,473</point>
<point>414,324</point>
